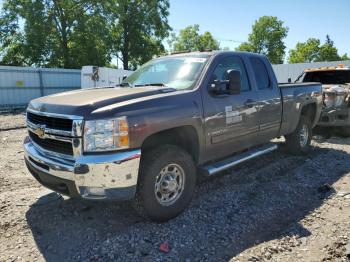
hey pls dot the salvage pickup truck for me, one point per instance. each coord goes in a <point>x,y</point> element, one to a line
<point>174,119</point>
<point>335,116</point>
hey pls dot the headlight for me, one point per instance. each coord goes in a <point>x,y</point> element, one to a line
<point>106,135</point>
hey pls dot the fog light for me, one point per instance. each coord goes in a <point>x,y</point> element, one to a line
<point>92,192</point>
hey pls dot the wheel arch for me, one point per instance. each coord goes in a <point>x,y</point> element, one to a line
<point>310,110</point>
<point>185,137</point>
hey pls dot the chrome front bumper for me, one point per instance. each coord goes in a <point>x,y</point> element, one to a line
<point>100,176</point>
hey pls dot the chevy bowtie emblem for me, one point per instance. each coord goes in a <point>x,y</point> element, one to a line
<point>40,131</point>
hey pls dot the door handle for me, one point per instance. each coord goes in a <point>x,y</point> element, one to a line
<point>250,103</point>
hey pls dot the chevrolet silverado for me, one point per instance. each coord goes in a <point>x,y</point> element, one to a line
<point>174,119</point>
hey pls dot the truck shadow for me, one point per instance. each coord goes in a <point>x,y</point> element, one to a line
<point>261,200</point>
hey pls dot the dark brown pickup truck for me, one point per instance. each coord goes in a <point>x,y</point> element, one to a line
<point>177,117</point>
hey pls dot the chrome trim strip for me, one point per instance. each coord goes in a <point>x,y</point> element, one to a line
<point>77,128</point>
<point>73,117</point>
<point>77,144</point>
<point>116,158</point>
<point>49,134</point>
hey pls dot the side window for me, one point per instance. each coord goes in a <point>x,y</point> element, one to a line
<point>228,63</point>
<point>261,74</point>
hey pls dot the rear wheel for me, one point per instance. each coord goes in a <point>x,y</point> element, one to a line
<point>298,142</point>
<point>166,184</point>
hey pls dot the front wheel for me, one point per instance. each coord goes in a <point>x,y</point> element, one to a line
<point>166,184</point>
<point>298,142</point>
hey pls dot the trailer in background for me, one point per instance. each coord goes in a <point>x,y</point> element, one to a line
<point>93,76</point>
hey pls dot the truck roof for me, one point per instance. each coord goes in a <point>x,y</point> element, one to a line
<point>212,52</point>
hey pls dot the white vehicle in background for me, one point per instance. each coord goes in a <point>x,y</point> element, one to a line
<point>93,76</point>
<point>335,117</point>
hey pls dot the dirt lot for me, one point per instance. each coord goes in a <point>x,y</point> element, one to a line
<point>278,207</point>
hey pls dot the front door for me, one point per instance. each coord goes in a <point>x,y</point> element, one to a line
<point>231,121</point>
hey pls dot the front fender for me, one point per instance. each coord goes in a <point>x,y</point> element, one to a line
<point>164,114</point>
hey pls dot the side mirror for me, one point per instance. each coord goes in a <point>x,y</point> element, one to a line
<point>234,82</point>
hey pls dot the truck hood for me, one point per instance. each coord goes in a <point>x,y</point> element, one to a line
<point>83,102</point>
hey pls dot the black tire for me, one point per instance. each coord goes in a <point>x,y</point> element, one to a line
<point>152,163</point>
<point>343,131</point>
<point>297,143</point>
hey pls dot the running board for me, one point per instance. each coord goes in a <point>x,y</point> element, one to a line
<point>217,167</point>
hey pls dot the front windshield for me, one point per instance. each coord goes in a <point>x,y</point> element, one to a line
<point>179,72</point>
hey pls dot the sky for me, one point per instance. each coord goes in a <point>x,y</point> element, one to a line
<point>231,21</point>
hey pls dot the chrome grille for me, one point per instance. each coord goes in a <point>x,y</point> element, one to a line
<point>57,146</point>
<point>50,122</point>
<point>55,133</point>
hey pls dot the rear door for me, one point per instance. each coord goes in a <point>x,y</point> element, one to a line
<point>269,96</point>
<point>230,120</point>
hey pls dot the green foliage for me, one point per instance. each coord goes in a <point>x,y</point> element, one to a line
<point>73,33</point>
<point>328,53</point>
<point>138,28</point>
<point>65,33</point>
<point>189,39</point>
<point>267,38</point>
<point>313,51</point>
<point>345,57</point>
<point>305,52</point>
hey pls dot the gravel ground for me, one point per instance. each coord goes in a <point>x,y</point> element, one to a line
<point>278,207</point>
<point>12,121</point>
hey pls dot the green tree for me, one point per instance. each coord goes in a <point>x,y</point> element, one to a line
<point>138,28</point>
<point>267,38</point>
<point>56,33</point>
<point>189,39</point>
<point>305,52</point>
<point>328,52</point>
<point>345,57</point>
<point>313,51</point>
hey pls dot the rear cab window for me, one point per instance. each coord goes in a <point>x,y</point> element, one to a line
<point>261,74</point>
<point>340,77</point>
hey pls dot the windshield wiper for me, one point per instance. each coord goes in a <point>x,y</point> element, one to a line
<point>152,84</point>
